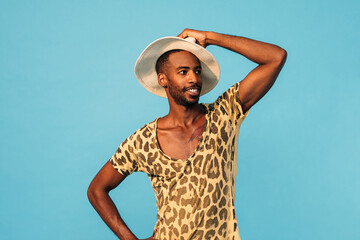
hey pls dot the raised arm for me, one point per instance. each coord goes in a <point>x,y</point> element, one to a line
<point>98,193</point>
<point>270,58</point>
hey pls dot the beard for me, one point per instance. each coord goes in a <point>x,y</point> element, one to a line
<point>179,95</point>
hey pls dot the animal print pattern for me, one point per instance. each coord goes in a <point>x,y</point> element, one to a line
<point>195,197</point>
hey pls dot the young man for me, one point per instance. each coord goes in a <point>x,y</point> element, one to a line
<point>190,155</point>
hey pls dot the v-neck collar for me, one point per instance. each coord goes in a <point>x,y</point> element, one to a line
<point>203,136</point>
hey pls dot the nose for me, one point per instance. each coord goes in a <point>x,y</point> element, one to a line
<point>194,78</point>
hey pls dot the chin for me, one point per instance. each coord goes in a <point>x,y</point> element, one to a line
<point>184,100</point>
<point>192,102</point>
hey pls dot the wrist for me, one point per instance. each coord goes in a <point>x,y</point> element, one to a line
<point>211,38</point>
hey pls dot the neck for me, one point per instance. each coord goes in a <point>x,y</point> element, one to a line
<point>184,115</point>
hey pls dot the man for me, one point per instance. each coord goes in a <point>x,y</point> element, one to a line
<point>190,154</point>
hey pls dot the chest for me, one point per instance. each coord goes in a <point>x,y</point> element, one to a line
<point>181,142</point>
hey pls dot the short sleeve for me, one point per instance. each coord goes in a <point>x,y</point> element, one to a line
<point>229,104</point>
<point>125,158</point>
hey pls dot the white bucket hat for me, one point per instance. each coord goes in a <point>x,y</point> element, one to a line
<point>145,65</point>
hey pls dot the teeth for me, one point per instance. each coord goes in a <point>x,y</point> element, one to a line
<point>194,90</point>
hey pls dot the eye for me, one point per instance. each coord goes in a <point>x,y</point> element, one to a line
<point>198,71</point>
<point>183,72</point>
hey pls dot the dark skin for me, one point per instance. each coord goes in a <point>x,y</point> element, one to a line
<point>180,131</point>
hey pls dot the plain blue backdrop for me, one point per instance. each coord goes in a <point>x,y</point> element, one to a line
<point>69,97</point>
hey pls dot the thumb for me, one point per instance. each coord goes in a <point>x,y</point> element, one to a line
<point>182,35</point>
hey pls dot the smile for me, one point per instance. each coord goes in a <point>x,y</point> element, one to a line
<point>193,90</point>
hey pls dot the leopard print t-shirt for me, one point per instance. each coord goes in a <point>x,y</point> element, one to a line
<point>194,197</point>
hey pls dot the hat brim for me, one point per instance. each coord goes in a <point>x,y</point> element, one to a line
<point>145,69</point>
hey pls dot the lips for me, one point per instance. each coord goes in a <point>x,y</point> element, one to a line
<point>194,91</point>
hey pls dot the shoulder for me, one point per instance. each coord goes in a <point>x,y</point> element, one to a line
<point>229,96</point>
<point>145,132</point>
<point>228,104</point>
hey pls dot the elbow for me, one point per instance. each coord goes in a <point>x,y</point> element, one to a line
<point>95,192</point>
<point>90,193</point>
<point>278,58</point>
<point>281,56</point>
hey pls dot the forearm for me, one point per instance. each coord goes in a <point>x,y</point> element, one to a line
<point>270,58</point>
<point>256,51</point>
<point>107,210</point>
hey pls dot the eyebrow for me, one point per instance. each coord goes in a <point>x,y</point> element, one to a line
<point>186,67</point>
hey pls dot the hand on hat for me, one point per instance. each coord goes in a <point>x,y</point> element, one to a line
<point>200,36</point>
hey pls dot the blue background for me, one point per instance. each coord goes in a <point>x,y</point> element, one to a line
<point>69,97</point>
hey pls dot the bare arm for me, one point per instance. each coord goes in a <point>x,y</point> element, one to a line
<point>98,193</point>
<point>270,58</point>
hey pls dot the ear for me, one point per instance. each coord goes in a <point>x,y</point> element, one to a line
<point>162,80</point>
